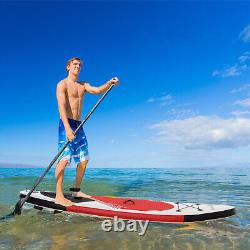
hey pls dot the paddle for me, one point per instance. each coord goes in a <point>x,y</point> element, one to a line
<point>20,203</point>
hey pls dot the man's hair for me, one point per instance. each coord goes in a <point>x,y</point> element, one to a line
<point>71,60</point>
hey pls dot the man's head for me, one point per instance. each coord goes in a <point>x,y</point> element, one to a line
<point>74,65</point>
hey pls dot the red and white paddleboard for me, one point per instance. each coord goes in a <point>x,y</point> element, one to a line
<point>130,208</point>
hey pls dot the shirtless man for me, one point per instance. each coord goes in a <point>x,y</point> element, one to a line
<point>70,93</point>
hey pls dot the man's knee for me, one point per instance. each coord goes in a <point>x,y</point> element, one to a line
<point>63,163</point>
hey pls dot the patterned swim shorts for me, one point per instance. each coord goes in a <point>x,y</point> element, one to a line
<point>78,148</point>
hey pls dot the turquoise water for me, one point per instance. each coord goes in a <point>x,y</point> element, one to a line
<point>42,230</point>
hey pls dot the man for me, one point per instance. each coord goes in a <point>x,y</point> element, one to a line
<point>70,93</point>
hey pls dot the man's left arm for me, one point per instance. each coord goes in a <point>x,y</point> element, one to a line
<point>101,89</point>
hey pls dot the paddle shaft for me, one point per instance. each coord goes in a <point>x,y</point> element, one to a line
<point>23,200</point>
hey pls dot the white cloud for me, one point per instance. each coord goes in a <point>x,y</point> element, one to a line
<point>245,34</point>
<point>181,113</point>
<point>151,100</point>
<point>231,71</point>
<point>237,69</point>
<point>244,87</point>
<point>241,66</point>
<point>244,102</point>
<point>244,57</point>
<point>203,132</point>
<point>163,100</point>
<point>240,113</point>
<point>166,98</point>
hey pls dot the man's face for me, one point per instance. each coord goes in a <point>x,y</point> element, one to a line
<point>74,67</point>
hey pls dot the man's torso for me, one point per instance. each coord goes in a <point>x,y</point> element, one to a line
<point>74,94</point>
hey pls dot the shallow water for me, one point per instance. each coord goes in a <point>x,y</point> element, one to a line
<point>42,230</point>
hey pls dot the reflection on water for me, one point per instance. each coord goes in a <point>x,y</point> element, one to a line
<point>42,230</point>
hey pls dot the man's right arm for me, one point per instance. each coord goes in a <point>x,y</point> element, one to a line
<point>61,100</point>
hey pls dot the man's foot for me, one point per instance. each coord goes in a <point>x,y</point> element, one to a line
<point>81,195</point>
<point>63,201</point>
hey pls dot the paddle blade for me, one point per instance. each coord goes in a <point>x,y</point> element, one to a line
<point>7,216</point>
<point>17,211</point>
<point>18,207</point>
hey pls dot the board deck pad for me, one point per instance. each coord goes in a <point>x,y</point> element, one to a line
<point>130,208</point>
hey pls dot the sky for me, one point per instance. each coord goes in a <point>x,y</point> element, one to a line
<point>184,69</point>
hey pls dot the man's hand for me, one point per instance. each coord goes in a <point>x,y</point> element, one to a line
<point>70,134</point>
<point>114,80</point>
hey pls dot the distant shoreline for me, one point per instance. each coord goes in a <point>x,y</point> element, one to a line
<point>21,165</point>
<point>17,165</point>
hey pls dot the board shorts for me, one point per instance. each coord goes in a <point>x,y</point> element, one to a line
<point>78,148</point>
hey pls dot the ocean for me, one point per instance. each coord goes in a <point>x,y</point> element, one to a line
<point>42,230</point>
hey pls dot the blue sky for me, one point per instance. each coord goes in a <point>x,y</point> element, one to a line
<point>184,96</point>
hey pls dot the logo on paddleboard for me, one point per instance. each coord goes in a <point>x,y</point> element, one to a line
<point>119,225</point>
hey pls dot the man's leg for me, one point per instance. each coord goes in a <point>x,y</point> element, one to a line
<point>81,167</point>
<point>80,171</point>
<point>59,174</point>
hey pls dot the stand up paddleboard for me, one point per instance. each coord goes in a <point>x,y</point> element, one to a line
<point>130,208</point>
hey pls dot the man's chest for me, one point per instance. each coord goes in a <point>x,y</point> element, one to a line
<point>75,91</point>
